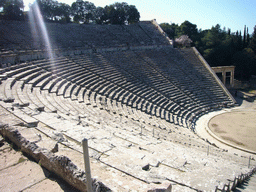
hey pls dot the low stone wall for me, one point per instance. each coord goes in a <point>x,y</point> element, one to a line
<point>60,165</point>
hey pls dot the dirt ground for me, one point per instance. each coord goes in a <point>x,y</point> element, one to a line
<point>237,127</point>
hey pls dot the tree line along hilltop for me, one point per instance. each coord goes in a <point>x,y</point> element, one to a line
<point>83,12</point>
<point>220,47</point>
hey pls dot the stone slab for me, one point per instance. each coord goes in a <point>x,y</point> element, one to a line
<point>30,121</point>
<point>116,180</point>
<point>5,117</point>
<point>8,156</point>
<point>21,176</point>
<point>33,135</point>
<point>52,184</point>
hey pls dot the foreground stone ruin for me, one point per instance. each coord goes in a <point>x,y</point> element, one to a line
<point>133,96</point>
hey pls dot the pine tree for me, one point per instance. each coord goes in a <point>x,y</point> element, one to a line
<point>253,41</point>
<point>244,38</point>
<point>248,37</point>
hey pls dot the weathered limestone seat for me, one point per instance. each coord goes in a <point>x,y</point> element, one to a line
<point>150,81</point>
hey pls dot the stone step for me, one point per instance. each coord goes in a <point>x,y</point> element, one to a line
<point>30,121</point>
<point>41,96</point>
<point>29,94</point>
<point>248,186</point>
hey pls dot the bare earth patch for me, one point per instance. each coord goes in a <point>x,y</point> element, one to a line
<point>232,140</point>
<point>237,128</point>
<point>217,129</point>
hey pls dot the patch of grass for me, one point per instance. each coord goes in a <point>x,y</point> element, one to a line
<point>21,159</point>
<point>249,90</point>
<point>252,91</point>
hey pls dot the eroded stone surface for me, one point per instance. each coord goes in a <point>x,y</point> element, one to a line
<point>61,165</point>
<point>8,156</point>
<point>6,118</point>
<point>118,155</point>
<point>21,176</point>
<point>51,185</point>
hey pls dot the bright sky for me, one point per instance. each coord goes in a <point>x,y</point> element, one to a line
<point>232,14</point>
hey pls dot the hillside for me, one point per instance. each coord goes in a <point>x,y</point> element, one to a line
<point>129,92</point>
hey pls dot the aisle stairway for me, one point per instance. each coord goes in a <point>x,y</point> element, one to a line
<point>247,186</point>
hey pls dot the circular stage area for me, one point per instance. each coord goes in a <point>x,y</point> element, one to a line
<point>236,128</point>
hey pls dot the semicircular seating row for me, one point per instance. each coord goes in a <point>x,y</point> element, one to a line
<point>161,83</point>
<point>109,91</point>
<point>31,84</point>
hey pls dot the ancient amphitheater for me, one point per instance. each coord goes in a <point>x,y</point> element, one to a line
<point>138,101</point>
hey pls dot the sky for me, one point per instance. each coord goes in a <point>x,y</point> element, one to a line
<point>233,14</point>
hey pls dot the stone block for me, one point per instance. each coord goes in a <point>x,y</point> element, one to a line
<point>60,165</point>
<point>26,174</point>
<point>165,187</point>
<point>8,156</point>
<point>24,104</point>
<point>54,184</point>
<point>30,121</point>
<point>40,108</point>
<point>1,140</point>
<point>9,100</point>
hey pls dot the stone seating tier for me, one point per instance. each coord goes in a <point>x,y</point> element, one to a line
<point>140,82</point>
<point>76,35</point>
<point>122,94</point>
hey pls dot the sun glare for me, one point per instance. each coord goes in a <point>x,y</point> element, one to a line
<point>26,4</point>
<point>38,27</point>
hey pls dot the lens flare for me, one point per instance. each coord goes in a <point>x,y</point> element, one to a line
<point>39,31</point>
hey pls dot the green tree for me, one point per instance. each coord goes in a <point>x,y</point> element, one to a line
<point>62,13</point>
<point>133,15</point>
<point>187,28</point>
<point>245,62</point>
<point>120,13</point>
<point>48,8</point>
<point>220,47</point>
<point>54,11</point>
<point>83,11</point>
<point>12,9</point>
<point>211,45</point>
<point>170,29</point>
<point>252,44</point>
<point>115,13</point>
<point>244,38</point>
<point>98,15</point>
<point>5,3</point>
<point>238,41</point>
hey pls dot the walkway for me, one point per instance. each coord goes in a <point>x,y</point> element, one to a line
<point>203,130</point>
